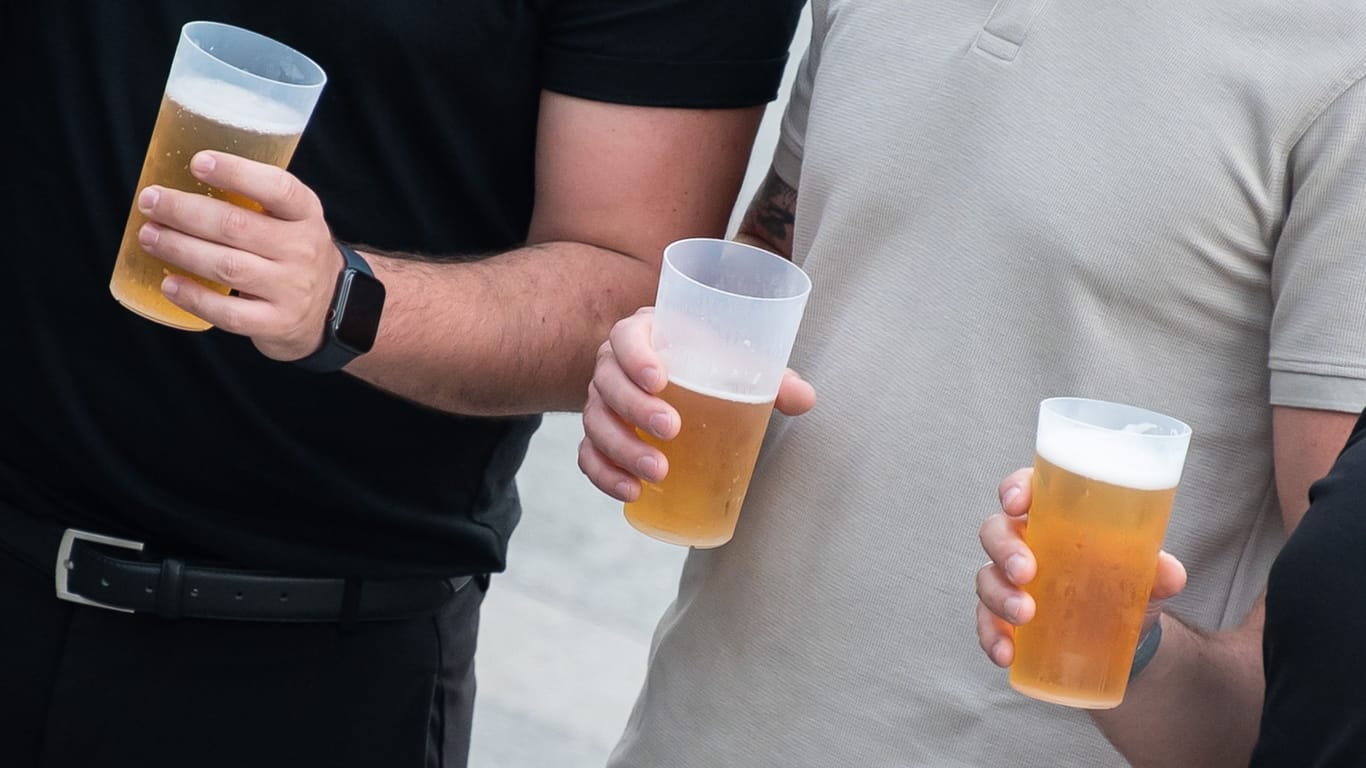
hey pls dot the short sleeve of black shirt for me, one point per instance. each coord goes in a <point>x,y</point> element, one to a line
<point>724,53</point>
<point>1315,709</point>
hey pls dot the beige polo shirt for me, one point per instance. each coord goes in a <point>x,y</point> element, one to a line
<point>1160,202</point>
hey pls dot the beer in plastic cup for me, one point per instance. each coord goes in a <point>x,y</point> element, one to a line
<point>231,90</point>
<point>725,320</point>
<point>1105,475</point>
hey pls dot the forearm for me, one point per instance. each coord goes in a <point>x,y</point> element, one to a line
<point>1197,703</point>
<point>769,218</point>
<point>512,334</point>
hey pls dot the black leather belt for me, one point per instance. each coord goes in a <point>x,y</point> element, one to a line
<point>96,570</point>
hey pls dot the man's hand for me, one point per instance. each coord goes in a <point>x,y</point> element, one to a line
<point>622,398</point>
<point>1002,604</point>
<point>281,262</point>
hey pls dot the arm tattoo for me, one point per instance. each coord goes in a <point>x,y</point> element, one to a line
<point>772,209</point>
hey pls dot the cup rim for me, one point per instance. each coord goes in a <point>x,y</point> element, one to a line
<point>805,278</point>
<point>1180,429</point>
<point>185,34</point>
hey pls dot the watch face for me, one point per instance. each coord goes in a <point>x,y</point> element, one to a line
<point>359,304</point>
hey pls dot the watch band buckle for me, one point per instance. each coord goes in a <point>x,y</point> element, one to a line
<point>64,565</point>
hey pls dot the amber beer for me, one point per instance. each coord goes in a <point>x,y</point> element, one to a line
<point>725,317</point>
<point>1097,521</point>
<point>710,462</point>
<point>197,113</point>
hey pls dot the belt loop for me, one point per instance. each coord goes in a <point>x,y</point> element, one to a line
<point>169,588</point>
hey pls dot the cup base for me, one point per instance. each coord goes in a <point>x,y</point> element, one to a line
<point>199,326</point>
<point>674,537</point>
<point>1053,696</point>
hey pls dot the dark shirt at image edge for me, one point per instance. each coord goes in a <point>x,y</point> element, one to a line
<point>1314,715</point>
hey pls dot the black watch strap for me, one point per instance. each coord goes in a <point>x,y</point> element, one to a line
<point>334,354</point>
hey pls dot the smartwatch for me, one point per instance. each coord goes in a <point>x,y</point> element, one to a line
<point>352,319</point>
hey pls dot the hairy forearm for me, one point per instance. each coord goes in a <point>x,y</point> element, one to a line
<point>512,334</point>
<point>1197,703</point>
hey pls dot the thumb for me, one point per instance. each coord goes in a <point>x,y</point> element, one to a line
<point>795,395</point>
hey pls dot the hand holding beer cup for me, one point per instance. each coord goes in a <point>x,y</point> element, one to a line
<point>280,262</point>
<point>681,394</point>
<point>229,90</point>
<point>1066,611</point>
<point>1003,604</point>
<point>622,402</point>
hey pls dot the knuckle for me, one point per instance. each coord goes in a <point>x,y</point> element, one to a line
<point>234,224</point>
<point>285,189</point>
<point>290,193</point>
<point>585,457</point>
<point>230,268</point>
<point>604,355</point>
<point>230,319</point>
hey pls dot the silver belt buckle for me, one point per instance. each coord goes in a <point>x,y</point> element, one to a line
<point>64,565</point>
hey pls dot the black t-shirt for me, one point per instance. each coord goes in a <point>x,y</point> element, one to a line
<point>423,141</point>
<point>1315,709</point>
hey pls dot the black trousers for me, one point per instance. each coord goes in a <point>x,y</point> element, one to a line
<point>87,687</point>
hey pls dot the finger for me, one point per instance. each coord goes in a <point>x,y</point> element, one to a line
<point>631,404</point>
<point>275,189</point>
<point>240,270</point>
<point>795,395</point>
<point>1170,579</point>
<point>1016,492</point>
<point>1003,540</point>
<point>618,442</point>
<point>1005,600</point>
<point>605,475</point>
<point>203,217</point>
<point>996,637</point>
<point>630,345</point>
<point>234,314</point>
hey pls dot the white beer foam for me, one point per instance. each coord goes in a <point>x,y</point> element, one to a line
<point>720,394</point>
<point>236,106</point>
<point>1119,458</point>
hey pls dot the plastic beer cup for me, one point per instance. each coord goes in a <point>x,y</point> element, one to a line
<point>725,319</point>
<point>231,90</point>
<point>1105,475</point>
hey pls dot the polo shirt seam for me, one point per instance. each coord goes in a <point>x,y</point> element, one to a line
<point>1316,368</point>
<point>1330,96</point>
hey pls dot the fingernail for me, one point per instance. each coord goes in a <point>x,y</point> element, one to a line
<point>203,163</point>
<point>148,199</point>
<point>1014,564</point>
<point>170,287</point>
<point>1012,609</point>
<point>659,424</point>
<point>1009,495</point>
<point>148,234</point>
<point>649,468</point>
<point>651,376</point>
<point>623,489</point>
